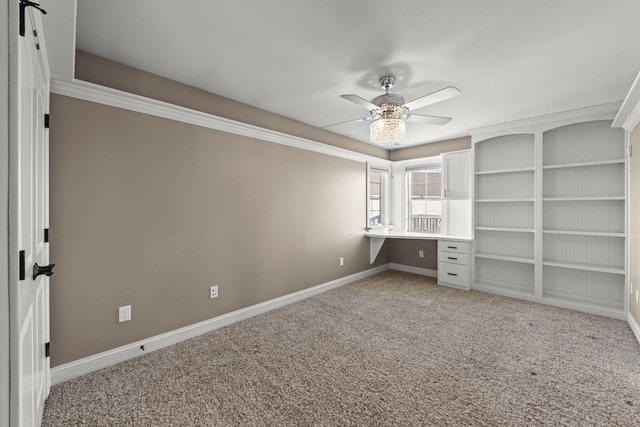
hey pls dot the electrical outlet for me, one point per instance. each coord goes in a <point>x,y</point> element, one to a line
<point>213,292</point>
<point>421,253</point>
<point>341,260</point>
<point>124,313</point>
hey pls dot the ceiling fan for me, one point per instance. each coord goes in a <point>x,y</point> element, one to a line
<point>389,112</point>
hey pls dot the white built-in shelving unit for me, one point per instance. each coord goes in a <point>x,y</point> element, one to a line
<point>550,213</point>
<point>504,213</point>
<point>583,197</point>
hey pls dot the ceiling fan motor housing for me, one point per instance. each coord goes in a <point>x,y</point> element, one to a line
<point>388,98</point>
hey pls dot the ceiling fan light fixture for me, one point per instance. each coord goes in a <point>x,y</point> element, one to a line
<point>386,130</point>
<point>389,111</point>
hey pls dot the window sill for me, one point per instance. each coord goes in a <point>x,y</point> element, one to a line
<point>381,228</point>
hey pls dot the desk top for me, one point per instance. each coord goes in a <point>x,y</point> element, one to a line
<point>416,236</point>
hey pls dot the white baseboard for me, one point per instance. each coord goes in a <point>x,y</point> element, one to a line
<point>108,358</point>
<point>414,270</point>
<point>634,327</point>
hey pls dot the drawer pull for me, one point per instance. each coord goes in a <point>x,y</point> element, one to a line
<point>450,257</point>
<point>452,274</point>
<point>452,247</point>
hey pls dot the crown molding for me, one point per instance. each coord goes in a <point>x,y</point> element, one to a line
<point>629,114</point>
<point>116,98</point>
<point>546,122</point>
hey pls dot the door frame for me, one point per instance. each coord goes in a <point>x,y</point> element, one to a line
<point>5,249</point>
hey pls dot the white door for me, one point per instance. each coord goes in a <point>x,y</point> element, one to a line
<point>33,298</point>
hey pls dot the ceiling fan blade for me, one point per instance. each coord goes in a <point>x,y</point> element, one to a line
<point>432,98</point>
<point>432,120</point>
<point>362,119</point>
<point>360,101</point>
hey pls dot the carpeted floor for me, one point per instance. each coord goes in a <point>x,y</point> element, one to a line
<point>391,350</point>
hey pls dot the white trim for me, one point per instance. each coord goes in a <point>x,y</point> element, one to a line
<point>108,358</point>
<point>385,198</point>
<point>635,328</point>
<point>141,104</point>
<point>546,122</point>
<point>629,114</point>
<point>398,208</point>
<point>415,270</point>
<point>627,220</point>
<point>7,45</point>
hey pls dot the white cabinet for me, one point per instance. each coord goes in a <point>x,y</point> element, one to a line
<point>456,193</point>
<point>457,171</point>
<point>453,263</point>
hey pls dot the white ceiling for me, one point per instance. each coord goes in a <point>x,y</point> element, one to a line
<point>512,59</point>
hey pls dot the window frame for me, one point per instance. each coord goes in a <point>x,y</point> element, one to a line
<point>407,192</point>
<point>385,196</point>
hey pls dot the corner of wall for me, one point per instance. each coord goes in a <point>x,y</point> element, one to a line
<point>431,149</point>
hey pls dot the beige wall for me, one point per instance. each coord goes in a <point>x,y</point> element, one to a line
<point>151,212</point>
<point>634,228</point>
<point>108,73</point>
<point>406,252</point>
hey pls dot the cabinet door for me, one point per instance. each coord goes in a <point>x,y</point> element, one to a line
<point>456,183</point>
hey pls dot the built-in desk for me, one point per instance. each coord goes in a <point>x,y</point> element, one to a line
<point>377,239</point>
<point>453,253</point>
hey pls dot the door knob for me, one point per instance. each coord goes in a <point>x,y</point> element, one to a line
<point>47,270</point>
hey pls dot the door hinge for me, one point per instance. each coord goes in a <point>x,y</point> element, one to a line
<point>24,4</point>
<point>47,349</point>
<point>46,121</point>
<point>46,235</point>
<point>630,150</point>
<point>23,270</point>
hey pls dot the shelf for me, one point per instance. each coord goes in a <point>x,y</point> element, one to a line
<point>513,230</point>
<point>584,233</point>
<point>523,260</point>
<point>585,164</point>
<point>503,288</point>
<point>611,308</point>
<point>502,171</point>
<point>504,200</point>
<point>582,199</point>
<point>586,267</point>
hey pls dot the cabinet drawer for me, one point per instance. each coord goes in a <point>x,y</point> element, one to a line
<point>451,246</point>
<point>453,274</point>
<point>453,257</point>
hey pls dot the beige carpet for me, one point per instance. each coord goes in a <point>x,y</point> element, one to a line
<point>394,349</point>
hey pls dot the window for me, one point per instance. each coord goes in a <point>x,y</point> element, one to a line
<point>378,200</point>
<point>424,188</point>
